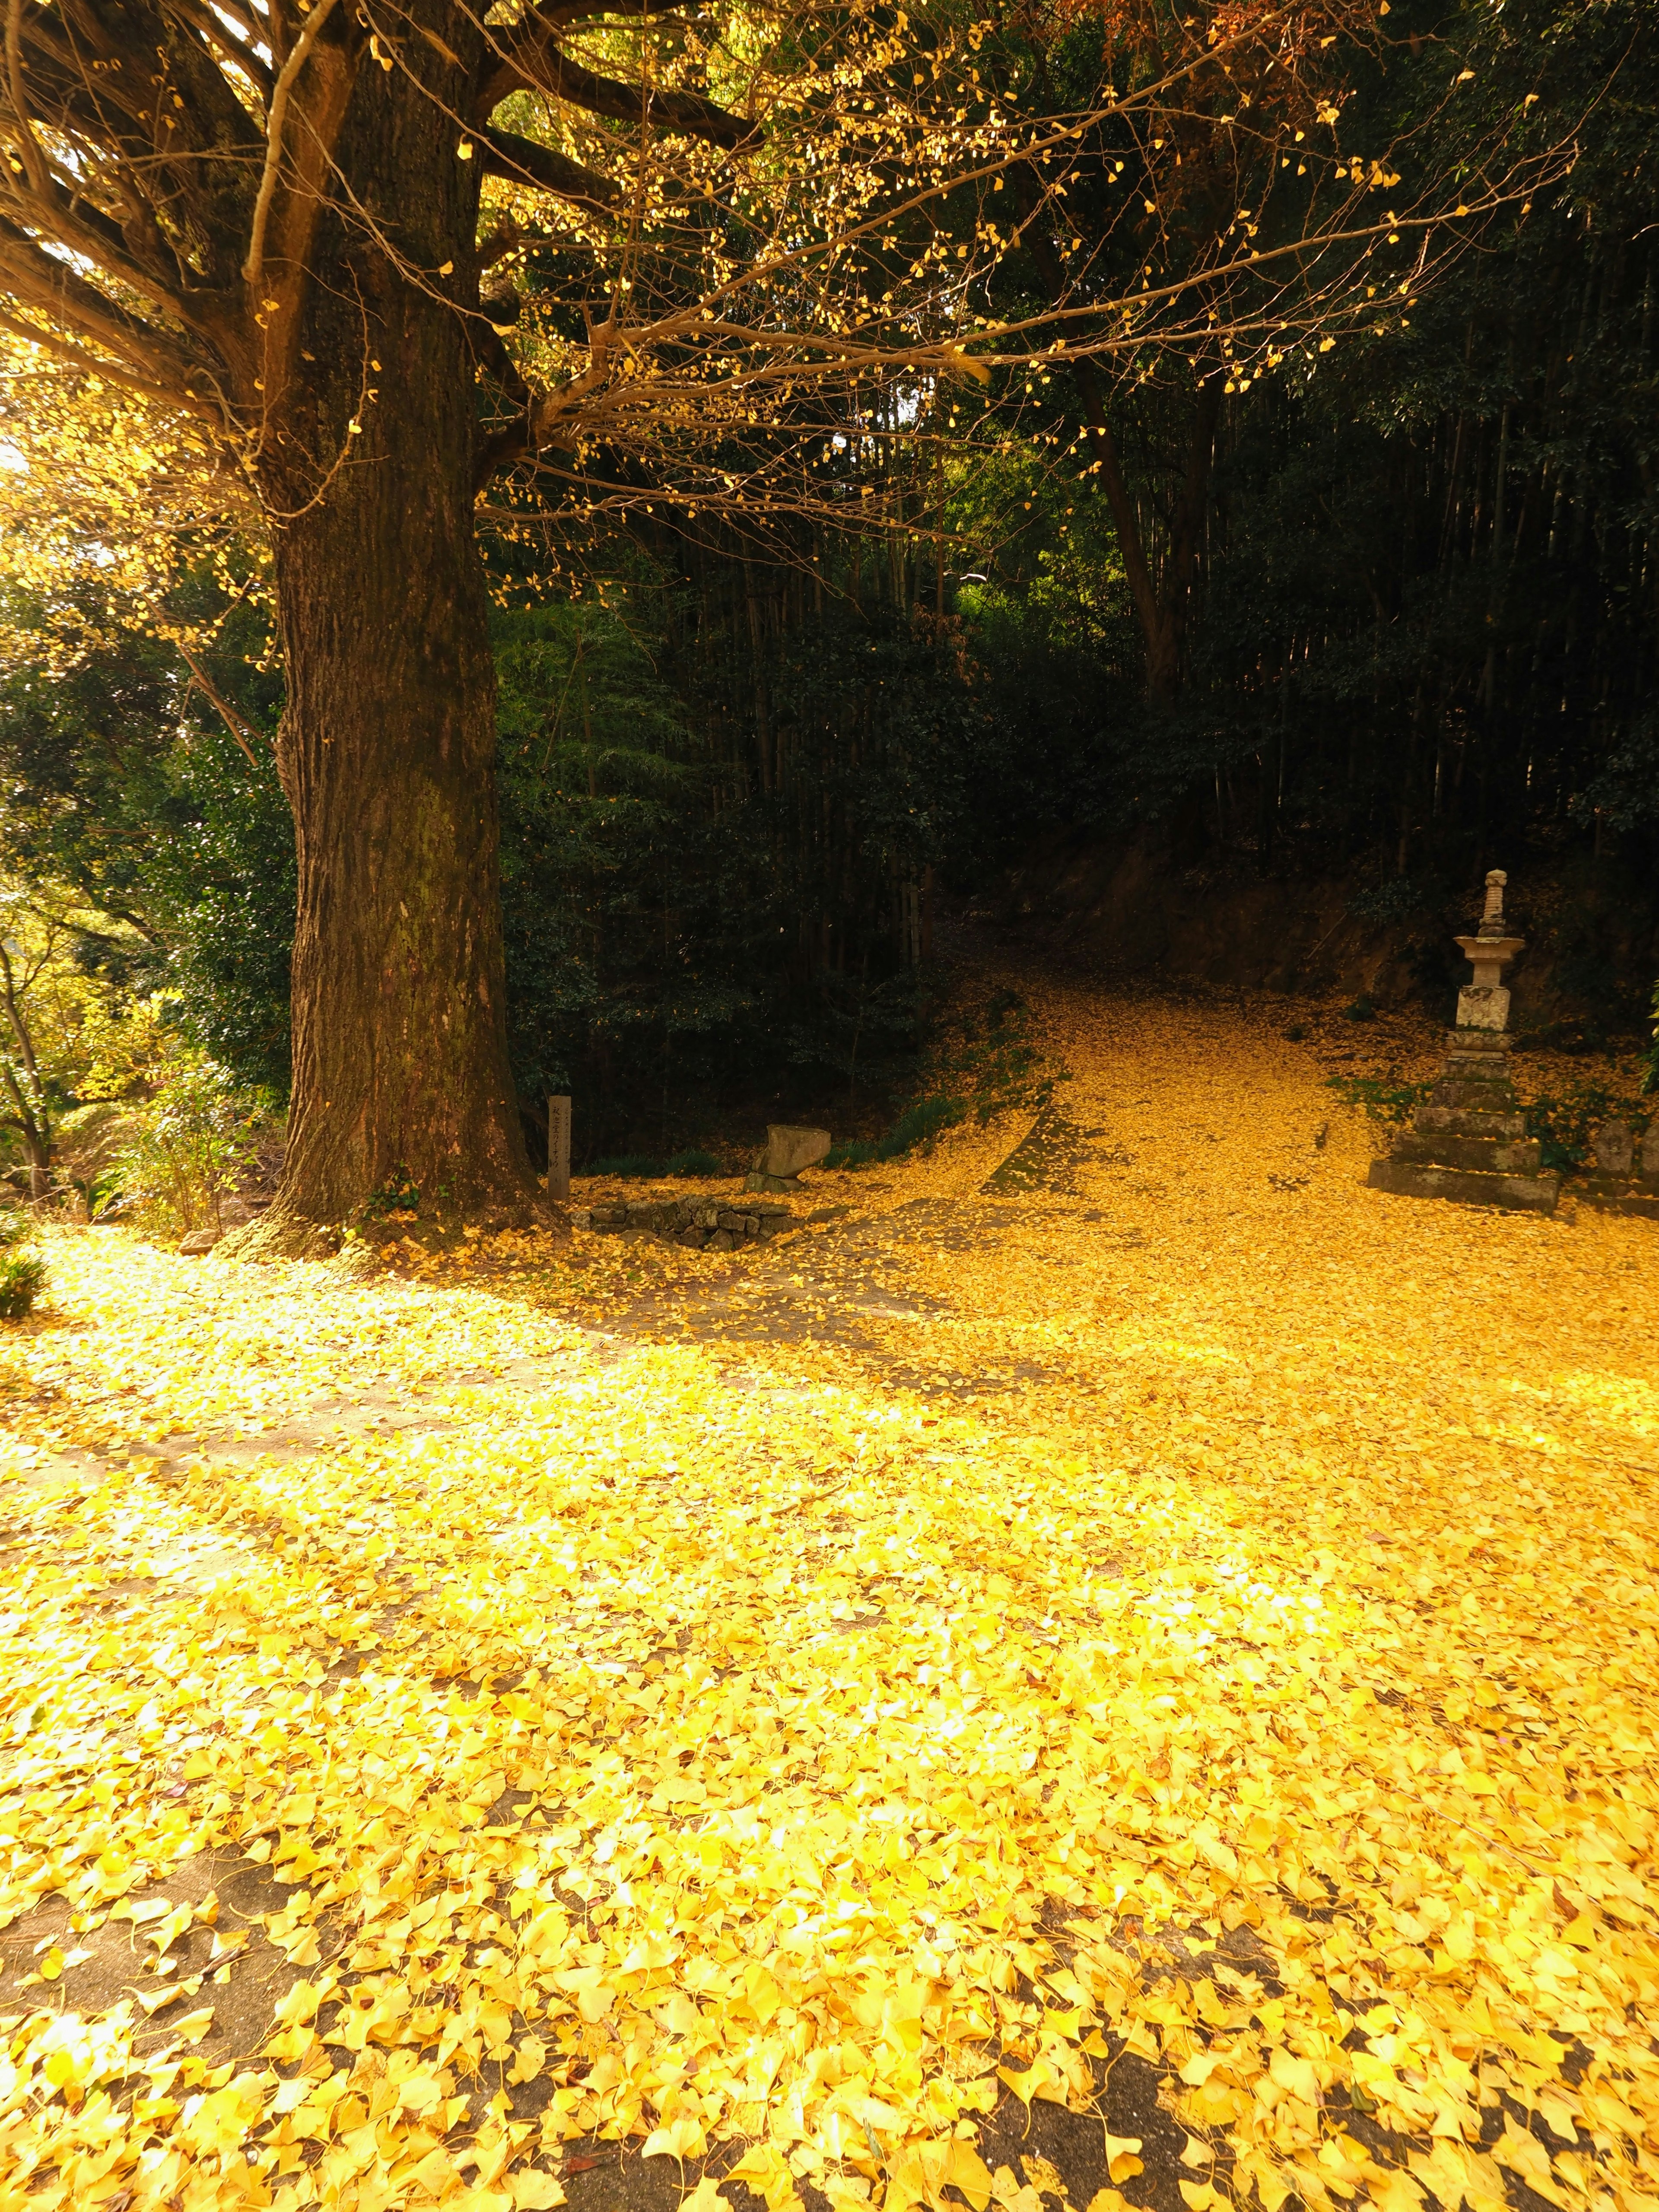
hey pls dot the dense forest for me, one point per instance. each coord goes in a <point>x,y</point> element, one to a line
<point>1386,609</point>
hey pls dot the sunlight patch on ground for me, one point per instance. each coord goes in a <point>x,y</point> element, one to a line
<point>802,1769</point>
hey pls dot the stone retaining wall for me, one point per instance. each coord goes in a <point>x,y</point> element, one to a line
<point>705,1224</point>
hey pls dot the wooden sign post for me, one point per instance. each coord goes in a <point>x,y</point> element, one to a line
<point>558,1148</point>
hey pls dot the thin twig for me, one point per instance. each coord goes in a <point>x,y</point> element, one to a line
<point>239,729</point>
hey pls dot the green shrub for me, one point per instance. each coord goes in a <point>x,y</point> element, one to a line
<point>192,1140</point>
<point>694,1163</point>
<point>1384,1097</point>
<point>1566,1127</point>
<point>628,1163</point>
<point>23,1279</point>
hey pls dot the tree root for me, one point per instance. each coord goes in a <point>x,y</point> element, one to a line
<point>280,1233</point>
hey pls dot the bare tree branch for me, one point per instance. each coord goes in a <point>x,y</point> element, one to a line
<point>253,266</point>
<point>522,162</point>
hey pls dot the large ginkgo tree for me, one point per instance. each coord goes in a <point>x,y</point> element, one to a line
<point>374,254</point>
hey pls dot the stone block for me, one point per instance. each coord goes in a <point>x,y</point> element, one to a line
<point>722,1241</point>
<point>1518,1194</point>
<point>1473,1097</point>
<point>1483,1006</point>
<point>758,1179</point>
<point>1484,1043</point>
<point>198,1241</point>
<point>1522,1156</point>
<point>788,1149</point>
<point>1615,1148</point>
<point>1621,1197</point>
<point>1468,1122</point>
<point>1651,1151</point>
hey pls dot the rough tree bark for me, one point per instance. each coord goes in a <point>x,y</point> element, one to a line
<point>387,743</point>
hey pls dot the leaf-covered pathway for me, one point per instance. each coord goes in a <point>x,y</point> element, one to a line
<point>1146,1690</point>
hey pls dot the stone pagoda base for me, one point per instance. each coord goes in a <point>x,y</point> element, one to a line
<point>1624,1179</point>
<point>1469,1143</point>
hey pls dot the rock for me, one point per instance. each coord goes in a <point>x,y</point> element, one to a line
<point>1651,1151</point>
<point>789,1149</point>
<point>758,1179</point>
<point>1615,1148</point>
<point>199,1241</point>
<point>699,1224</point>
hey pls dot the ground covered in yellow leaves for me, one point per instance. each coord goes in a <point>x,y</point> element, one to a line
<point>1139,1691</point>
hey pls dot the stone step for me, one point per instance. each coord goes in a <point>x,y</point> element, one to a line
<point>1519,1194</point>
<point>1484,1097</point>
<point>1632,1194</point>
<point>1468,1122</point>
<point>1522,1156</point>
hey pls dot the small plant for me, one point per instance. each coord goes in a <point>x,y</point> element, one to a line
<point>398,1194</point>
<point>1362,1009</point>
<point>1295,1034</point>
<point>22,1275</point>
<point>1385,1098</point>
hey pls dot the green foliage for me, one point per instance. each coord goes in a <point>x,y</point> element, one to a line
<point>1650,1072</point>
<point>1566,1125</point>
<point>988,1063</point>
<point>921,1124</point>
<point>1362,1010</point>
<point>991,1058</point>
<point>120,782</point>
<point>192,1140</point>
<point>396,1195</point>
<point>694,1163</point>
<point>644,1166</point>
<point>22,1277</point>
<point>1385,1098</point>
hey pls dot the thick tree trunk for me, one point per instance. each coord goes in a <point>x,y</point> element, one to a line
<point>387,744</point>
<point>387,753</point>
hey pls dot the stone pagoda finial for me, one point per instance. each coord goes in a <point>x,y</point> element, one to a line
<point>1485,1003</point>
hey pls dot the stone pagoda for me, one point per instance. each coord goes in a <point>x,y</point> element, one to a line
<point>1469,1142</point>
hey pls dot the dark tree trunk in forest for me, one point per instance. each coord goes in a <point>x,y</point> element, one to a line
<point>387,744</point>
